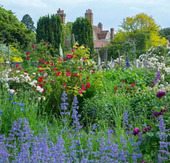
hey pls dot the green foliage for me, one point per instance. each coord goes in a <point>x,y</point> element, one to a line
<point>13,32</point>
<point>27,20</point>
<point>49,29</point>
<point>141,31</point>
<point>165,32</point>
<point>83,32</point>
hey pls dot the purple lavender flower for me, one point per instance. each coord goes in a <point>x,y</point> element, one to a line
<point>127,63</point>
<point>75,115</point>
<point>160,94</point>
<point>125,119</point>
<point>158,74</point>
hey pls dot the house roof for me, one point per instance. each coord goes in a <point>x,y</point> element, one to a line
<point>100,43</point>
<point>102,34</point>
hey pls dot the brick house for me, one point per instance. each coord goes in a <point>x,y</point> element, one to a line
<point>101,37</point>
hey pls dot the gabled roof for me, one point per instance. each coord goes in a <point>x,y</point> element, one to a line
<point>102,34</point>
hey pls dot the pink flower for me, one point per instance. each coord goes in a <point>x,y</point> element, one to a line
<point>33,46</point>
<point>27,53</point>
<point>84,59</point>
<point>41,70</point>
<point>54,69</point>
<point>80,91</point>
<point>60,60</point>
<point>72,50</point>
<point>83,88</point>
<point>133,84</point>
<point>64,84</point>
<point>68,73</point>
<point>136,131</point>
<point>16,65</point>
<point>46,43</point>
<point>28,58</point>
<point>69,56</point>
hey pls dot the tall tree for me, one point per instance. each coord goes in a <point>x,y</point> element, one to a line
<point>27,20</point>
<point>49,29</point>
<point>83,32</point>
<point>165,33</point>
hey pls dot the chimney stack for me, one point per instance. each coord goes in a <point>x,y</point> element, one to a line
<point>100,25</point>
<point>62,14</point>
<point>89,15</point>
<point>111,33</point>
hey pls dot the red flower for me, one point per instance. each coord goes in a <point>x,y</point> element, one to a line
<point>46,43</point>
<point>39,66</point>
<point>47,63</point>
<point>27,53</point>
<point>25,71</point>
<point>87,77</point>
<point>41,70</point>
<point>75,75</point>
<point>52,64</point>
<point>64,59</point>
<point>72,50</point>
<point>133,84</point>
<point>115,88</point>
<point>58,73</point>
<point>20,68</point>
<point>93,72</point>
<point>52,81</point>
<point>40,79</point>
<point>88,85</point>
<point>69,56</point>
<point>83,88</point>
<point>44,82</point>
<point>28,58</point>
<point>80,91</point>
<point>123,82</point>
<point>40,85</point>
<point>60,60</point>
<point>82,85</point>
<point>16,65</point>
<point>68,73</point>
<point>84,59</point>
<point>33,46</point>
<point>54,69</point>
<point>151,84</point>
<point>127,88</point>
<point>81,68</point>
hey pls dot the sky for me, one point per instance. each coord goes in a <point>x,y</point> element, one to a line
<point>109,12</point>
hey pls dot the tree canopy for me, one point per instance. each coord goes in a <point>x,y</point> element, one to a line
<point>27,20</point>
<point>140,31</point>
<point>12,31</point>
<point>165,33</point>
<point>83,32</point>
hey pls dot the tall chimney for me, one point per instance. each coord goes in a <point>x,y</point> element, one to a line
<point>100,25</point>
<point>89,15</point>
<point>62,14</point>
<point>111,33</point>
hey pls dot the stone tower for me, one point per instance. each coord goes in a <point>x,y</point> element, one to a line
<point>89,15</point>
<point>62,14</point>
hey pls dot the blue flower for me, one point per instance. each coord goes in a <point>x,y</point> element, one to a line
<point>14,103</point>
<point>1,111</point>
<point>22,109</point>
<point>20,104</point>
<point>92,111</point>
<point>14,108</point>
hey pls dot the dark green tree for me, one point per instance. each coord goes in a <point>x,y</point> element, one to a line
<point>49,29</point>
<point>12,31</point>
<point>27,20</point>
<point>83,32</point>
